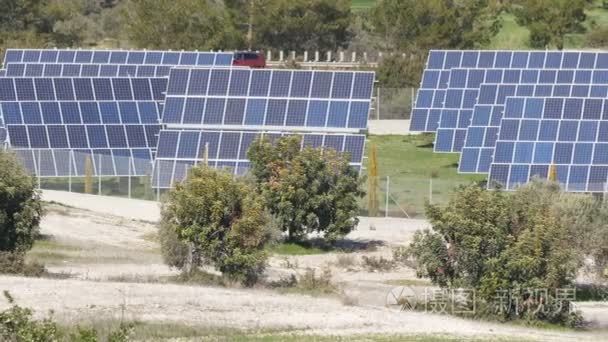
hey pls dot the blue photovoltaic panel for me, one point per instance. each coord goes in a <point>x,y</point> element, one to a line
<point>481,137</point>
<point>104,162</point>
<point>82,89</point>
<point>2,72</point>
<point>568,132</point>
<point>456,111</point>
<point>441,62</point>
<point>87,124</point>
<point>85,70</point>
<point>131,57</point>
<point>265,98</point>
<point>179,150</point>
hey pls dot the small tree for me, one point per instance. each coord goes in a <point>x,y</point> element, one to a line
<point>20,206</point>
<point>306,190</point>
<point>222,219</point>
<point>496,243</point>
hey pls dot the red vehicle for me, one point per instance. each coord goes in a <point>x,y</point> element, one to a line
<point>249,59</point>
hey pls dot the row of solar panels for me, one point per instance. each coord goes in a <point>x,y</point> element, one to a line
<point>466,97</point>
<point>179,150</point>
<point>111,102</point>
<point>190,58</point>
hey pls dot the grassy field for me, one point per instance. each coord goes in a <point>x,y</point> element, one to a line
<point>362,4</point>
<point>416,174</point>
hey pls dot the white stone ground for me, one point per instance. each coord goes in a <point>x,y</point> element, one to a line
<point>113,239</point>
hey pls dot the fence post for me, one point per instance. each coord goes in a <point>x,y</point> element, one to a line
<point>157,181</point>
<point>129,182</point>
<point>378,104</point>
<point>39,181</point>
<point>70,155</point>
<point>281,56</point>
<point>316,56</point>
<point>388,187</point>
<point>99,168</point>
<point>306,56</point>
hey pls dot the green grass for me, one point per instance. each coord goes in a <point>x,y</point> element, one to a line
<point>363,4</point>
<point>292,248</point>
<point>514,36</point>
<point>413,166</point>
<point>165,331</point>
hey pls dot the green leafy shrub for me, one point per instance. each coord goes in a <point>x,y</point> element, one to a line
<point>306,191</point>
<point>20,206</point>
<point>498,243</point>
<point>14,263</point>
<point>222,221</point>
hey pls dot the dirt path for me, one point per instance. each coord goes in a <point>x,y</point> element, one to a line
<point>246,309</point>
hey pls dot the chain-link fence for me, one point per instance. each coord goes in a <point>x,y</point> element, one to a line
<point>392,103</point>
<point>405,196</point>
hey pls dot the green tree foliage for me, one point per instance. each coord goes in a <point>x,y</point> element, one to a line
<point>409,25</point>
<point>180,24</point>
<point>308,190</point>
<point>597,38</point>
<point>550,20</point>
<point>401,72</point>
<point>222,219</point>
<point>492,241</point>
<point>302,24</point>
<point>20,206</point>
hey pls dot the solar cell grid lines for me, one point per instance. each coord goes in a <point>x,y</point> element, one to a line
<point>82,89</point>
<point>85,70</point>
<point>533,59</point>
<point>180,149</point>
<point>568,132</point>
<point>133,57</point>
<point>268,98</point>
<point>481,135</point>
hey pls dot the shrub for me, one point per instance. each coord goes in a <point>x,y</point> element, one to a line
<point>309,190</point>
<point>496,243</point>
<point>173,250</point>
<point>14,263</point>
<point>20,206</point>
<point>377,264</point>
<point>223,221</point>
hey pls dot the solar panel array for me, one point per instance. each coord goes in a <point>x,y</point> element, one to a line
<point>230,108</point>
<point>134,57</point>
<point>120,111</point>
<point>85,70</point>
<point>463,97</point>
<point>181,149</point>
<point>269,98</point>
<point>68,104</point>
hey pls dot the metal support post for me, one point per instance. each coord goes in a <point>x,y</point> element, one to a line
<point>388,187</point>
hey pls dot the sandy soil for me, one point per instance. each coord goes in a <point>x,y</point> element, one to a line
<point>116,243</point>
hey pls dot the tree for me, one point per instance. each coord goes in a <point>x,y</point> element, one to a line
<point>306,190</point>
<point>302,24</point>
<point>492,241</point>
<point>222,220</point>
<point>410,25</point>
<point>550,20</point>
<point>20,206</point>
<point>181,24</point>
<point>401,72</point>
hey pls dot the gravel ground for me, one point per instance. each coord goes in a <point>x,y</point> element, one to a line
<point>109,227</point>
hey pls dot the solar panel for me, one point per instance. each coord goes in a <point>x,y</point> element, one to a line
<point>481,135</point>
<point>180,149</point>
<point>568,132</point>
<point>131,57</point>
<point>82,89</point>
<point>85,70</point>
<point>462,94</point>
<point>2,72</point>
<point>103,162</point>
<point>440,62</point>
<point>268,99</point>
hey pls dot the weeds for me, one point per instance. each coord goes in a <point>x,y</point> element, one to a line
<point>377,264</point>
<point>14,263</point>
<point>346,261</point>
